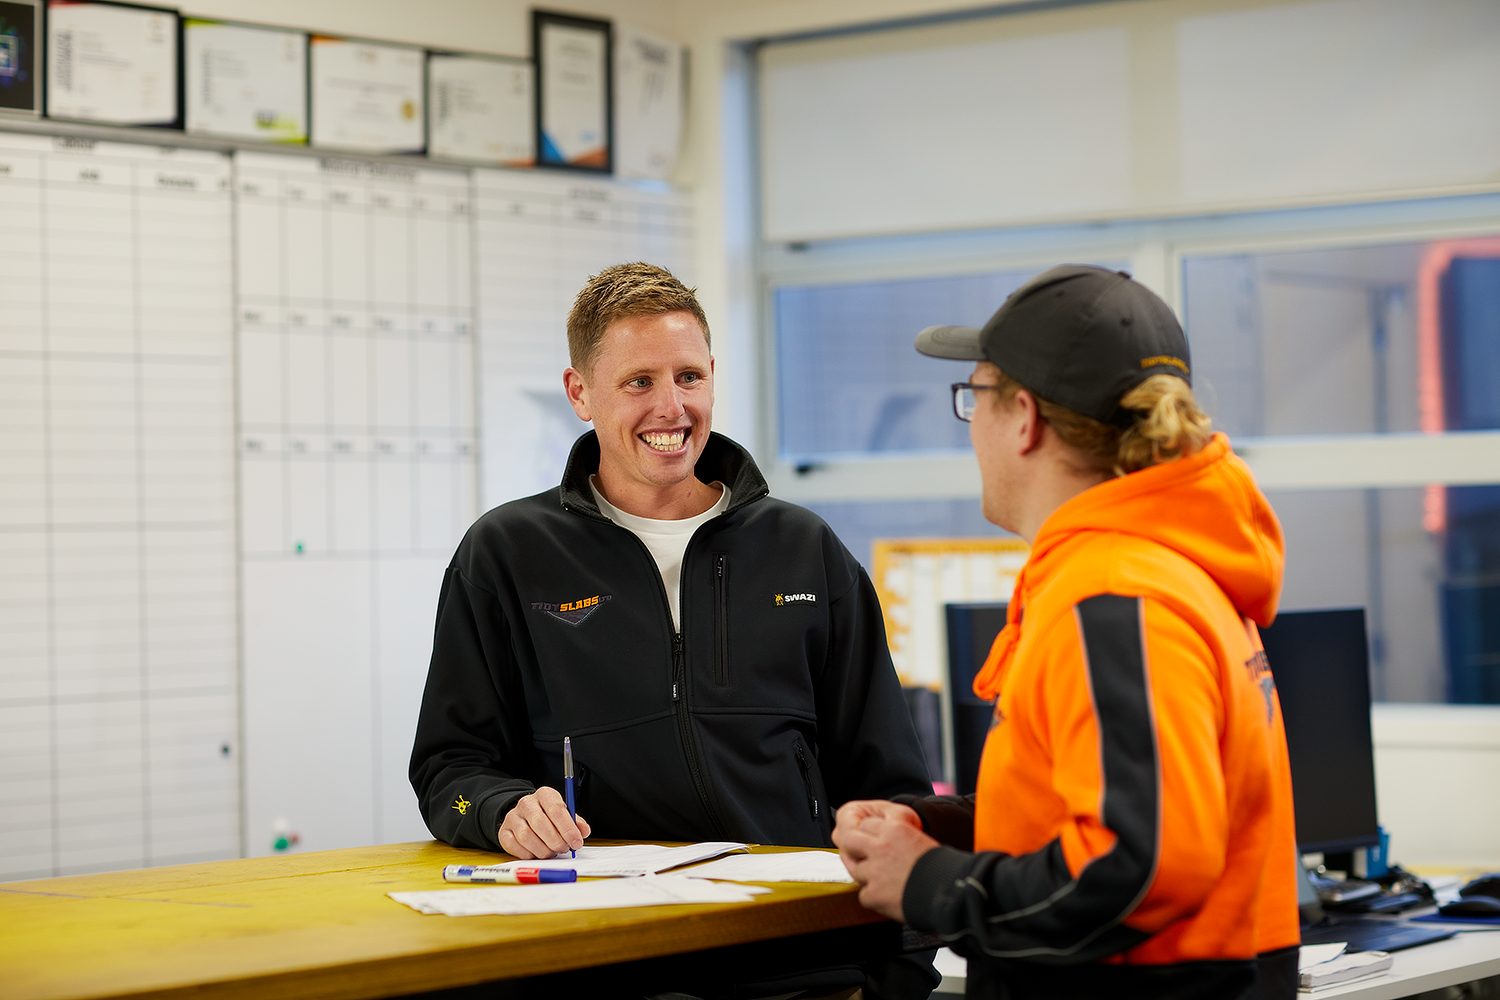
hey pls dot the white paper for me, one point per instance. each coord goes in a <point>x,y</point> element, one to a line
<point>648,104</point>
<point>794,866</point>
<point>483,110</point>
<point>367,97</point>
<point>111,64</point>
<point>658,890</point>
<point>636,859</point>
<point>573,97</point>
<point>1351,967</point>
<point>1316,954</point>
<point>246,82</point>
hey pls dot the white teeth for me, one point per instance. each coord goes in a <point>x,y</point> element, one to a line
<point>664,440</point>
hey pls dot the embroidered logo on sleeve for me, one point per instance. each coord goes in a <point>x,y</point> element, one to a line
<point>462,805</point>
<point>783,599</point>
<point>572,612</point>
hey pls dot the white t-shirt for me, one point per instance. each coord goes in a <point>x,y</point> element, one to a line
<point>667,541</point>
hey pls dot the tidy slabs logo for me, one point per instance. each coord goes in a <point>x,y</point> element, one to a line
<point>573,612</point>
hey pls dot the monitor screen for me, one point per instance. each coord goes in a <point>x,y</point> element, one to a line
<point>971,632</point>
<point>1320,661</point>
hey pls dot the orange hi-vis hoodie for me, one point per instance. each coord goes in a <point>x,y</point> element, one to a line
<point>1132,822</point>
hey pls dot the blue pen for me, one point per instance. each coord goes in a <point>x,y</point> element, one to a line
<point>568,784</point>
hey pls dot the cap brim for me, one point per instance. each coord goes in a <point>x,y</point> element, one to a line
<point>960,343</point>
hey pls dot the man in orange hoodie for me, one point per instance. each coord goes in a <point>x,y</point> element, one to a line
<point>1132,830</point>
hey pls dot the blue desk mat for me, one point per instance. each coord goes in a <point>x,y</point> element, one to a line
<point>1438,918</point>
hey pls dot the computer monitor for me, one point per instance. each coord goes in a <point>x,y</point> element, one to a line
<point>971,632</point>
<point>1321,663</point>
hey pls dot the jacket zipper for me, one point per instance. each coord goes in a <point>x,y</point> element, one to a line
<point>721,619</point>
<point>679,685</point>
<point>685,730</point>
<point>812,799</point>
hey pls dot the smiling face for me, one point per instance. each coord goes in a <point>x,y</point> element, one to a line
<point>650,395</point>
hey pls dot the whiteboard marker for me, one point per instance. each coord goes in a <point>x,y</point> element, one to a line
<point>512,874</point>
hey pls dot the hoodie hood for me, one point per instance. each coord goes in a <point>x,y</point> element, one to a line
<point>1205,507</point>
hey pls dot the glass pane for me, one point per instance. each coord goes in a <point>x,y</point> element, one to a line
<point>1402,337</point>
<point>849,380</point>
<point>859,523</point>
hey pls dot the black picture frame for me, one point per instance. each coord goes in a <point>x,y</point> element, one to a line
<point>548,154</point>
<point>179,94</point>
<point>21,63</point>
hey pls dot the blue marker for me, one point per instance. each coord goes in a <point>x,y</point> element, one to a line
<point>568,784</point>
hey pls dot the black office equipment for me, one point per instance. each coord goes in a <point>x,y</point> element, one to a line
<point>971,632</point>
<point>1321,663</point>
<point>1366,934</point>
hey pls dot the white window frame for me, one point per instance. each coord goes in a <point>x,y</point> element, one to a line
<point>1156,249</point>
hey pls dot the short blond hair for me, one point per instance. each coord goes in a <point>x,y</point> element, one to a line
<point>620,292</point>
<point>1168,425</point>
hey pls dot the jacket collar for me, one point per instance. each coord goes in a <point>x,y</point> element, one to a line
<point>722,461</point>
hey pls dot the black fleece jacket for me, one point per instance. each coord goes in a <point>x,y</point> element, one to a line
<point>776,703</point>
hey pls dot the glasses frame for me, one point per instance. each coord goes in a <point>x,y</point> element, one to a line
<point>958,394</point>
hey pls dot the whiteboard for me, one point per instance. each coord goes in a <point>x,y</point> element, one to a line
<point>358,477</point>
<point>118,594</point>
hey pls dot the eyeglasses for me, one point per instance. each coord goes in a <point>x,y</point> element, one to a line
<point>965,401</point>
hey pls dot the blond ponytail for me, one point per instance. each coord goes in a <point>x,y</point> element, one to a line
<point>1168,426</point>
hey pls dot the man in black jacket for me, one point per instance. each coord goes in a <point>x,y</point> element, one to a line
<point>716,656</point>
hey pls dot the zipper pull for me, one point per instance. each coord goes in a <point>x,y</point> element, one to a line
<point>677,666</point>
<point>719,566</point>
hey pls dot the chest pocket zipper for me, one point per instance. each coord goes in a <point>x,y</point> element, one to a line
<point>807,782</point>
<point>721,619</point>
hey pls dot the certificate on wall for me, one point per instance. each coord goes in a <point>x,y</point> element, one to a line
<point>112,62</point>
<point>482,109</point>
<point>573,68</point>
<point>244,81</point>
<point>18,63</point>
<point>367,96</point>
<point>648,104</point>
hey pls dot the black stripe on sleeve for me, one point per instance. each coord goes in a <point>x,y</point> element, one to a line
<point>1031,906</point>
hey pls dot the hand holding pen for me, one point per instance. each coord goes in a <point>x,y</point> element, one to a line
<point>539,826</point>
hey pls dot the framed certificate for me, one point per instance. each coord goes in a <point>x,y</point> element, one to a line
<point>245,81</point>
<point>19,93</point>
<point>481,109</point>
<point>574,66</point>
<point>114,62</point>
<point>648,104</point>
<point>368,97</point>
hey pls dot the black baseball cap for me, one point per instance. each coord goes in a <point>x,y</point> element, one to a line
<point>1077,336</point>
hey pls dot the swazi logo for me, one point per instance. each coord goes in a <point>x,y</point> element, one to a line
<point>573,612</point>
<point>1259,668</point>
<point>462,805</point>
<point>796,599</point>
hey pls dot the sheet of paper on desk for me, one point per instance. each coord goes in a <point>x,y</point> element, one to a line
<point>637,859</point>
<point>794,866</point>
<point>1310,955</point>
<point>657,890</point>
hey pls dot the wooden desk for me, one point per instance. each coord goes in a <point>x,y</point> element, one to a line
<point>319,925</point>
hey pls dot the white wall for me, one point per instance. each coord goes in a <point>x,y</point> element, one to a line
<point>1437,768</point>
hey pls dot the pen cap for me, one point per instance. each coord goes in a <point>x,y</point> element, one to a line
<point>567,757</point>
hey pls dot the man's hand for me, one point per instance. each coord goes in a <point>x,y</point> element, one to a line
<point>538,826</point>
<point>880,842</point>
